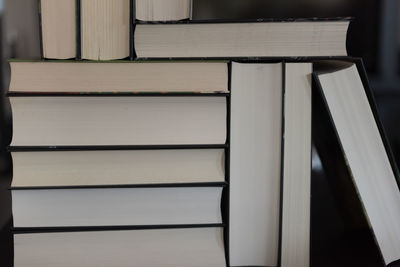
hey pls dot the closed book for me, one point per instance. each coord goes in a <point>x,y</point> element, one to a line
<point>296,171</point>
<point>255,164</point>
<point>351,108</point>
<point>116,120</point>
<point>192,247</point>
<point>58,21</point>
<point>46,169</point>
<point>303,38</point>
<point>116,206</point>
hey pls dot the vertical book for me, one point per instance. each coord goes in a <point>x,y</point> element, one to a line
<point>255,164</point>
<point>58,28</point>
<point>350,105</point>
<point>105,29</point>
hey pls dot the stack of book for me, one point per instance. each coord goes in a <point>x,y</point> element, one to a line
<point>124,157</point>
<point>197,152</point>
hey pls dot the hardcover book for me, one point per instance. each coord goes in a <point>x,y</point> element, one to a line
<point>162,10</point>
<point>58,22</point>
<point>351,107</point>
<point>105,29</point>
<point>221,39</point>
<point>192,247</point>
<point>118,76</point>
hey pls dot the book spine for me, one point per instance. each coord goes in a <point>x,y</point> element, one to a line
<point>40,29</point>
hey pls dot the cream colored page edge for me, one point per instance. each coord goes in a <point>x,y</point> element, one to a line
<point>349,107</point>
<point>116,206</point>
<point>196,247</point>
<point>81,168</point>
<point>295,240</point>
<point>255,151</point>
<point>118,77</point>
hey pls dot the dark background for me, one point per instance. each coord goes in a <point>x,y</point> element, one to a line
<point>374,35</point>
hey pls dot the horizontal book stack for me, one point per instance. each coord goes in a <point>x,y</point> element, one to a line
<point>175,158</point>
<point>145,170</point>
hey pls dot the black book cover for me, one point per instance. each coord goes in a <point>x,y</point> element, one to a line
<point>40,29</point>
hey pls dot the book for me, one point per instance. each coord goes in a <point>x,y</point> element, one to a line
<point>58,28</point>
<point>375,176</point>
<point>338,209</point>
<point>296,180</point>
<point>192,247</point>
<point>241,39</point>
<point>36,169</point>
<point>105,29</point>
<point>117,120</point>
<point>116,206</point>
<point>78,77</point>
<point>162,10</point>
<point>255,163</point>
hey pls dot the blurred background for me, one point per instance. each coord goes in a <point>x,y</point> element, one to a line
<point>374,35</point>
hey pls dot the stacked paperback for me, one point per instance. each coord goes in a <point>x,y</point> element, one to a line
<point>195,153</point>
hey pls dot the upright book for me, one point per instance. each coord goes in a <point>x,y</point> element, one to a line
<point>255,165</point>
<point>105,29</point>
<point>221,39</point>
<point>58,22</point>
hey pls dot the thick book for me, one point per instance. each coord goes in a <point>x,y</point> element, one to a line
<point>116,120</point>
<point>270,165</point>
<point>38,169</point>
<point>301,38</point>
<point>116,206</point>
<point>105,29</point>
<point>162,10</point>
<point>296,171</point>
<point>58,22</point>
<point>146,76</point>
<point>191,247</point>
<point>351,108</point>
<point>255,164</point>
